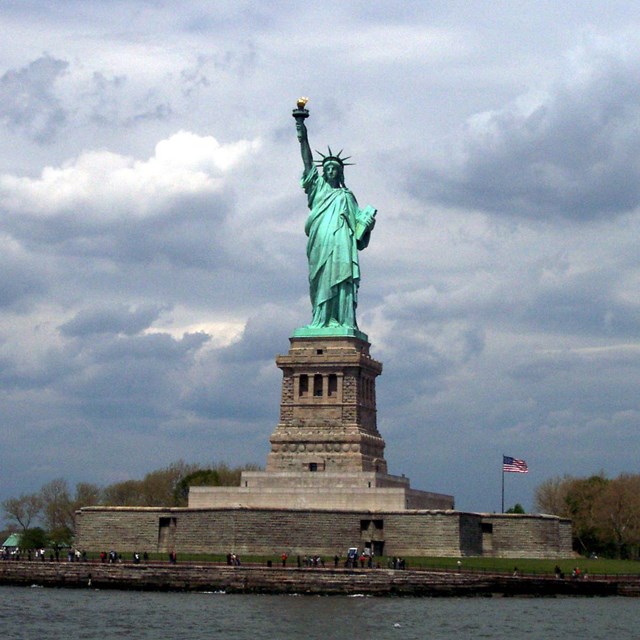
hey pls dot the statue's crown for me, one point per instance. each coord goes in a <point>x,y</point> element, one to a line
<point>333,158</point>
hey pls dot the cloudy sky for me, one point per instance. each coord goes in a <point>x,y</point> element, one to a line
<point>153,253</point>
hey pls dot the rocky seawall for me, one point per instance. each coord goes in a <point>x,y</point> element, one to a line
<point>278,580</point>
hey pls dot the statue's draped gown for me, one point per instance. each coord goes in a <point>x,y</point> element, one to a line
<point>332,251</point>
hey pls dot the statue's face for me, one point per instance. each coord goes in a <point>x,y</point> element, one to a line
<point>332,173</point>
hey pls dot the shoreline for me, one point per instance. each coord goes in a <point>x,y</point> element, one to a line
<point>305,581</point>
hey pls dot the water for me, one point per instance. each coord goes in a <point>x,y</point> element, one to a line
<point>69,614</point>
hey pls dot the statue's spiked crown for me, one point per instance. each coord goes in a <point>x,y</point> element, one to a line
<point>336,158</point>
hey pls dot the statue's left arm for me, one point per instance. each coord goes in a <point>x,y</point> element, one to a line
<point>365,221</point>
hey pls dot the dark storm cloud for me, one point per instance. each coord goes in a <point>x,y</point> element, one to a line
<point>17,378</point>
<point>189,233</point>
<point>132,370</point>
<point>28,101</point>
<point>582,307</point>
<point>19,280</point>
<point>137,377</point>
<point>263,335</point>
<point>571,153</point>
<point>153,346</point>
<point>194,233</point>
<point>110,319</point>
<point>248,388</point>
<point>571,390</point>
<point>427,352</point>
<point>244,394</point>
<point>109,104</point>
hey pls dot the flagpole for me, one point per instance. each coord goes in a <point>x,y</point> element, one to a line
<point>502,467</point>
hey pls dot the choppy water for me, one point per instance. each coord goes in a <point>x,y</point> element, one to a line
<point>68,614</point>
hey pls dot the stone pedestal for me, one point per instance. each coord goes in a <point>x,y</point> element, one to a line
<point>326,451</point>
<point>328,408</point>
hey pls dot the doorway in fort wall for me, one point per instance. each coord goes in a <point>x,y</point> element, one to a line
<point>372,536</point>
<point>167,533</point>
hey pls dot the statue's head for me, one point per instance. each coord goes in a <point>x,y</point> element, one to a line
<point>333,167</point>
<point>333,173</point>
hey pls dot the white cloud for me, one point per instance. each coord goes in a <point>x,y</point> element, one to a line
<point>103,184</point>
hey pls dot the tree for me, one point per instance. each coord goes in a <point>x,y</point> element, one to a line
<point>617,514</point>
<point>168,486</point>
<point>581,499</point>
<point>605,513</point>
<point>23,510</point>
<point>62,537</point>
<point>219,475</point>
<point>517,508</point>
<point>199,478</point>
<point>156,489</point>
<point>58,507</point>
<point>87,495</point>
<point>551,496</point>
<point>124,494</point>
<point>35,538</point>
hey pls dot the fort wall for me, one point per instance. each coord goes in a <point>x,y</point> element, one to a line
<point>302,532</point>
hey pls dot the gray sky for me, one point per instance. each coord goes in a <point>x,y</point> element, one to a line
<point>153,252</point>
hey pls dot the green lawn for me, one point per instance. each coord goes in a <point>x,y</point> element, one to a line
<point>598,566</point>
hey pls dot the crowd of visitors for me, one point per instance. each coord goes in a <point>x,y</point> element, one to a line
<point>53,555</point>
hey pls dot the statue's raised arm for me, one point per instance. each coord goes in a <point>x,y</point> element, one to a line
<point>300,114</point>
<point>337,228</point>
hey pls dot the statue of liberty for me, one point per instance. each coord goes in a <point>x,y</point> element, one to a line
<point>336,229</point>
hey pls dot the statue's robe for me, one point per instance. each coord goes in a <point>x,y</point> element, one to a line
<point>336,228</point>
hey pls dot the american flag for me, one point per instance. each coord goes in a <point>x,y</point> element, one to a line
<point>514,465</point>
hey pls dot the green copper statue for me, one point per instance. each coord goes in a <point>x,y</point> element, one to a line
<point>336,229</point>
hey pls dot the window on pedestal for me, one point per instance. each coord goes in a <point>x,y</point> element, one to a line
<point>365,389</point>
<point>317,385</point>
<point>333,384</point>
<point>368,389</point>
<point>303,388</point>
